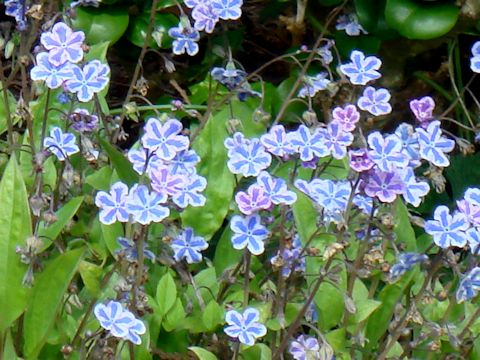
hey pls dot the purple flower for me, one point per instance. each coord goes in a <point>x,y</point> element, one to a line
<point>359,160</point>
<point>53,75</point>
<point>83,121</point>
<point>423,109</point>
<point>472,195</point>
<point>89,80</point>
<point>165,183</point>
<point>362,69</point>
<point>112,204</point>
<point>248,233</point>
<point>248,159</point>
<point>188,246</point>
<point>337,140</point>
<point>384,185</point>
<point>414,190</point>
<point>228,9</point>
<point>245,326</point>
<point>350,24</point>
<point>375,101</point>
<point>60,144</point>
<point>164,139</point>
<point>63,44</point>
<point>276,189</point>
<point>404,263</point>
<point>305,348</point>
<point>470,210</point>
<point>386,152</point>
<point>347,116</point>
<point>473,240</point>
<point>447,230</point>
<point>409,141</point>
<point>434,146</point>
<point>307,144</point>
<point>145,206</point>
<point>130,252</point>
<point>119,321</point>
<point>313,84</point>
<point>185,38</point>
<point>253,200</point>
<point>325,52</point>
<point>190,193</point>
<point>276,142</point>
<point>289,259</point>
<point>205,17</point>
<point>469,285</point>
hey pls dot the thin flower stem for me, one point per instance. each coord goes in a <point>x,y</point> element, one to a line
<point>157,107</point>
<point>246,284</point>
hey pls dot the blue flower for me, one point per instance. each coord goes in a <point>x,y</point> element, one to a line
<point>405,262</point>
<point>185,38</point>
<point>112,204</point>
<point>325,52</point>
<point>305,348</point>
<point>447,230</point>
<point>89,80</point>
<point>331,195</point>
<point>184,162</point>
<point>145,206</point>
<point>276,142</point>
<point>414,190</point>
<point>308,145</point>
<point>139,157</point>
<point>17,10</point>
<point>337,140</point>
<point>63,44</point>
<point>248,233</point>
<point>362,69</point>
<point>469,285</point>
<point>473,240</point>
<point>205,17</point>
<point>53,75</point>
<point>470,210</point>
<point>313,84</point>
<point>129,250</point>
<point>164,139</point>
<point>119,321</point>
<point>433,145</point>
<point>386,152</point>
<point>350,24</point>
<point>475,60</point>
<point>238,140</point>
<point>230,77</point>
<point>228,9</point>
<point>248,159</point>
<point>245,326</point>
<point>276,189</point>
<point>409,141</point>
<point>364,203</point>
<point>375,101</point>
<point>189,194</point>
<point>188,246</point>
<point>60,144</point>
<point>289,259</point>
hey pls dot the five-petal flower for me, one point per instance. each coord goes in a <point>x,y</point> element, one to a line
<point>361,69</point>
<point>112,204</point>
<point>60,144</point>
<point>145,206</point>
<point>248,233</point>
<point>245,326</point>
<point>89,80</point>
<point>375,101</point>
<point>188,246</point>
<point>434,146</point>
<point>63,44</point>
<point>447,229</point>
<point>164,139</point>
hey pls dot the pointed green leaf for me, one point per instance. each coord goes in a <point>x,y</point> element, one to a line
<point>166,294</point>
<point>120,163</point>
<point>212,315</point>
<point>202,354</point>
<point>47,295</point>
<point>15,227</point>
<point>403,228</point>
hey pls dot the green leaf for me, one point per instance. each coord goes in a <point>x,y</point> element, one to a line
<point>166,294</point>
<point>225,255</point>
<point>257,352</point>
<point>137,30</point>
<point>3,110</point>
<point>208,219</point>
<point>174,318</point>
<point>202,354</point>
<point>46,300</point>
<point>120,163</point>
<point>100,179</point>
<point>212,315</point>
<point>364,308</point>
<point>15,227</point>
<point>403,228</point>
<point>110,234</point>
<point>102,24</point>
<point>64,215</point>
<point>91,275</point>
<point>421,20</point>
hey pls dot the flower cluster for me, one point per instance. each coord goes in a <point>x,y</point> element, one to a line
<point>164,156</point>
<point>206,14</point>
<point>290,259</point>
<point>119,321</point>
<point>61,64</point>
